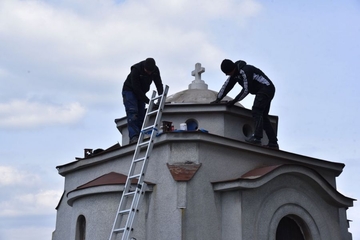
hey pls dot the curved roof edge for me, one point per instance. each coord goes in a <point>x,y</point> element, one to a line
<point>260,176</point>
<point>107,183</point>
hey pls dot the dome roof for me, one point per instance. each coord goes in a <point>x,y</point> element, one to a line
<point>195,96</point>
<point>197,92</point>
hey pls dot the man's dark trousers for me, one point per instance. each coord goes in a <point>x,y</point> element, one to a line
<point>135,113</point>
<point>260,113</point>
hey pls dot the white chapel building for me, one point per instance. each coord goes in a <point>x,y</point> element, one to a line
<point>205,183</point>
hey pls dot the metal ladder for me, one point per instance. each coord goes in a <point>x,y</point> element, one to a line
<point>131,197</point>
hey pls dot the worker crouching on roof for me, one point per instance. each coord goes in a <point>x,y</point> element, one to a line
<point>253,81</point>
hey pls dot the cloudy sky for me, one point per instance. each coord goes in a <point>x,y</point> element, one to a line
<point>63,63</point>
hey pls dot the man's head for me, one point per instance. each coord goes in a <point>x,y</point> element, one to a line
<point>149,65</point>
<point>228,67</point>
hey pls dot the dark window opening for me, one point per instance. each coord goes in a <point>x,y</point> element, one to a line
<point>192,124</point>
<point>288,229</point>
<point>80,228</point>
<point>247,130</point>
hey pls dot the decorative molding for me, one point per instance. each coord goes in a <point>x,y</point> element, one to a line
<point>183,172</point>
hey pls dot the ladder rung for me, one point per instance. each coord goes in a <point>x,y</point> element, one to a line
<point>126,211</point>
<point>119,230</point>
<point>139,159</point>
<point>148,128</point>
<point>153,112</point>
<point>135,176</point>
<point>143,144</point>
<point>155,98</point>
<point>129,193</point>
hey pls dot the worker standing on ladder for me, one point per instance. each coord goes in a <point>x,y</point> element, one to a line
<point>136,85</point>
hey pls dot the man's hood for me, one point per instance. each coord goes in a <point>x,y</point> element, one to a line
<point>240,64</point>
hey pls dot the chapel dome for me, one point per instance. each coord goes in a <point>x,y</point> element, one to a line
<point>198,92</point>
<point>195,96</point>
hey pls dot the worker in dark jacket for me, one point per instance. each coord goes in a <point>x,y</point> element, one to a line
<point>253,81</point>
<point>136,85</point>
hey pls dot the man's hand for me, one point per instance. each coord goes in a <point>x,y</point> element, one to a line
<point>231,103</point>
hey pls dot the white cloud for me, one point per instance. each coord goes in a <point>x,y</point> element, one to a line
<point>106,29</point>
<point>69,49</point>
<point>28,233</point>
<point>200,12</point>
<point>11,176</point>
<point>23,197</point>
<point>24,114</point>
<point>42,202</point>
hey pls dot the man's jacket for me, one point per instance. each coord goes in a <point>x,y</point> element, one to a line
<point>252,80</point>
<point>138,81</point>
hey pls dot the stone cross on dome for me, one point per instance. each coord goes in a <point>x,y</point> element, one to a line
<point>198,83</point>
<point>198,71</point>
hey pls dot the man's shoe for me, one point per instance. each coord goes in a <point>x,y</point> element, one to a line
<point>134,139</point>
<point>272,145</point>
<point>254,140</point>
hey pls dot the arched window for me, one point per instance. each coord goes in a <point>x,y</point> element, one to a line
<point>288,228</point>
<point>80,228</point>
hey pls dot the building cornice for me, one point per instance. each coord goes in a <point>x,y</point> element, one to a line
<point>205,138</point>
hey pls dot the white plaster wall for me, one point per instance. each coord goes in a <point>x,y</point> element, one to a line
<point>192,210</point>
<point>63,226</point>
<point>99,212</point>
<point>288,195</point>
<point>231,212</point>
<point>217,119</point>
<point>164,219</point>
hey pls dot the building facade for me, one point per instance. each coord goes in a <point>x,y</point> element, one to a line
<point>205,183</point>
